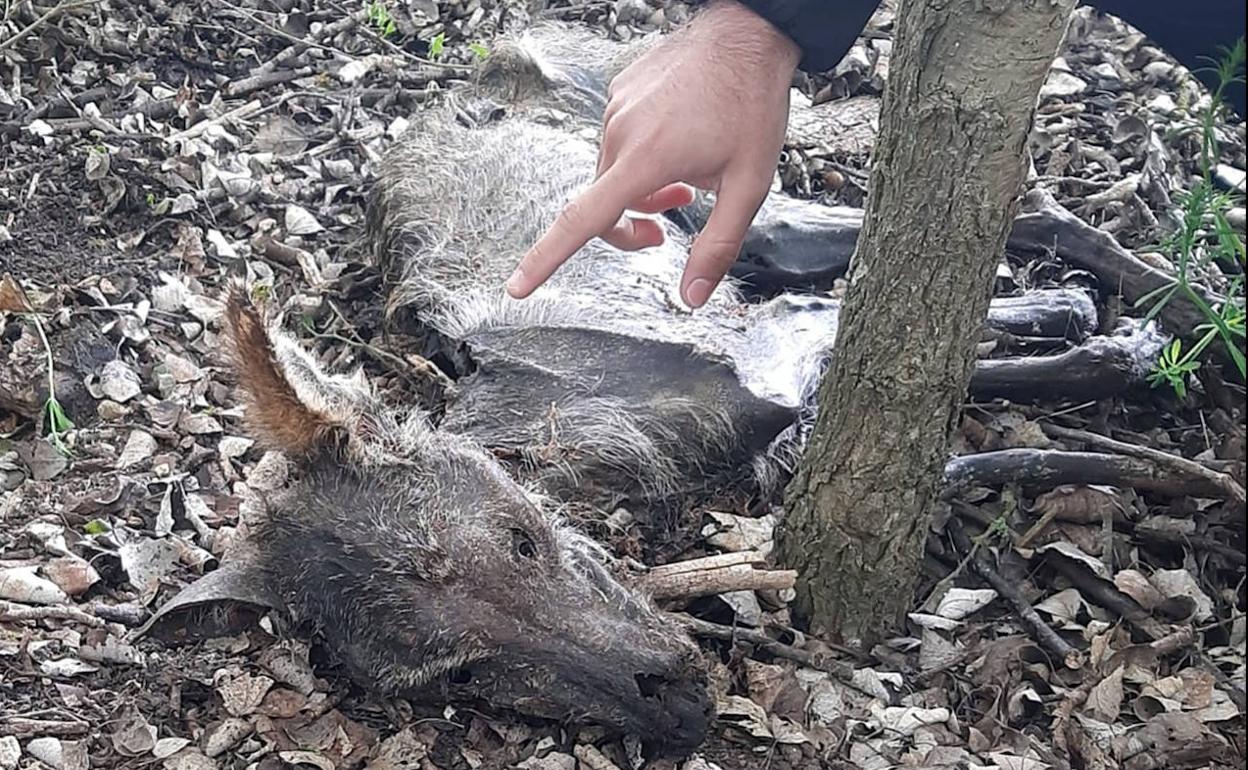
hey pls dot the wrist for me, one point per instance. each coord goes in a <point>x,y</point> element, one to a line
<point>742,32</point>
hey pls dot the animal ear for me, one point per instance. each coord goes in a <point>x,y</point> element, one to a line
<point>278,414</point>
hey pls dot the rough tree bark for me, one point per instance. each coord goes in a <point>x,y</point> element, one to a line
<point>945,183</point>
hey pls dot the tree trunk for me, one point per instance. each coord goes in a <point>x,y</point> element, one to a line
<point>945,184</point>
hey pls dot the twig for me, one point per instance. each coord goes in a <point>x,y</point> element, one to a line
<point>719,561</point>
<point>199,128</point>
<point>17,612</point>
<point>22,727</point>
<point>1180,465</point>
<point>1042,632</point>
<point>47,16</point>
<point>710,582</point>
<point>1165,645</point>
<point>266,79</point>
<point>839,669</point>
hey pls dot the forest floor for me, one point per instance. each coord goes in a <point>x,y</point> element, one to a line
<point>147,147</point>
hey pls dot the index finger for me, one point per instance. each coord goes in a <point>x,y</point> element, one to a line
<point>587,216</point>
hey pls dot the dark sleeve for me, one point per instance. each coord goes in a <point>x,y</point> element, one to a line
<point>824,29</point>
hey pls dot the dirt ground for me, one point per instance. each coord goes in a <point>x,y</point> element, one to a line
<point>150,149</point>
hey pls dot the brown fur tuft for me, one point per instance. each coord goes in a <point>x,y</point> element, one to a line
<point>275,413</point>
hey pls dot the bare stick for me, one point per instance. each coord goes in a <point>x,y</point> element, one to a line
<point>199,128</point>
<point>742,577</point>
<point>1042,632</point>
<point>23,727</point>
<point>839,669</point>
<point>47,16</point>
<point>718,561</point>
<point>1054,467</point>
<point>16,612</point>
<point>1175,463</point>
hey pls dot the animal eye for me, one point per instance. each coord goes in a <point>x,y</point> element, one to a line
<point>523,545</point>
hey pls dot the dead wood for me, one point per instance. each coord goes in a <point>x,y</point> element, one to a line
<point>23,727</point>
<point>1101,367</point>
<point>1231,488</point>
<point>17,612</point>
<point>716,580</point>
<point>839,669</point>
<point>981,563</point>
<point>1048,227</point>
<point>1048,468</point>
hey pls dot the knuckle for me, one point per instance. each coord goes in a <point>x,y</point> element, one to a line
<point>573,216</point>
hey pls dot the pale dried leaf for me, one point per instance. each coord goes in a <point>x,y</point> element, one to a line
<point>300,221</point>
<point>959,603</point>
<point>1136,585</point>
<point>1179,582</point>
<point>24,585</point>
<point>167,747</point>
<point>140,446</point>
<point>119,382</point>
<point>1105,700</point>
<point>241,692</point>
<point>1064,606</point>
<point>134,737</point>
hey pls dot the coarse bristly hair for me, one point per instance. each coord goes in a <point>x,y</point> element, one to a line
<point>429,570</point>
<point>456,206</point>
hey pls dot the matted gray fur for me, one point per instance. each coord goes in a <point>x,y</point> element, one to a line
<point>472,185</point>
<point>431,573</point>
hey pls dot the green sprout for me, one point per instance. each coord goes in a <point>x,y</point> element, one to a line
<point>1204,235</point>
<point>379,16</point>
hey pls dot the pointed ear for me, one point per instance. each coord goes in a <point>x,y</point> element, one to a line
<point>277,415</point>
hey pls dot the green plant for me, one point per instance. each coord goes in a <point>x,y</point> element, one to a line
<point>58,422</point>
<point>437,45</point>
<point>1204,235</point>
<point>479,49</point>
<point>379,16</point>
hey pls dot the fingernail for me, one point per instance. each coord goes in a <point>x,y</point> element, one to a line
<point>698,291</point>
<point>514,282</point>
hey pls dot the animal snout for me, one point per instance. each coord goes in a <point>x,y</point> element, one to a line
<point>683,712</point>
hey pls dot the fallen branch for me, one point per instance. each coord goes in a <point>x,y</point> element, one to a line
<point>1102,366</point>
<point>717,561</point>
<point>1179,465</point>
<point>20,613</point>
<point>1053,468</point>
<point>1040,631</point>
<point>47,17</point>
<point>839,669</point>
<point>713,581</point>
<point>198,129</point>
<point>24,727</point>
<point>1047,227</point>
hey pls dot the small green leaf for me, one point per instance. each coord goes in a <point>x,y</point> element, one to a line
<point>436,45</point>
<point>95,527</point>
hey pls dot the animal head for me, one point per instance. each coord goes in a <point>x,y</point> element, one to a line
<point>430,572</point>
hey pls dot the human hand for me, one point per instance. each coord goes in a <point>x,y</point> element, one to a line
<point>708,107</point>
